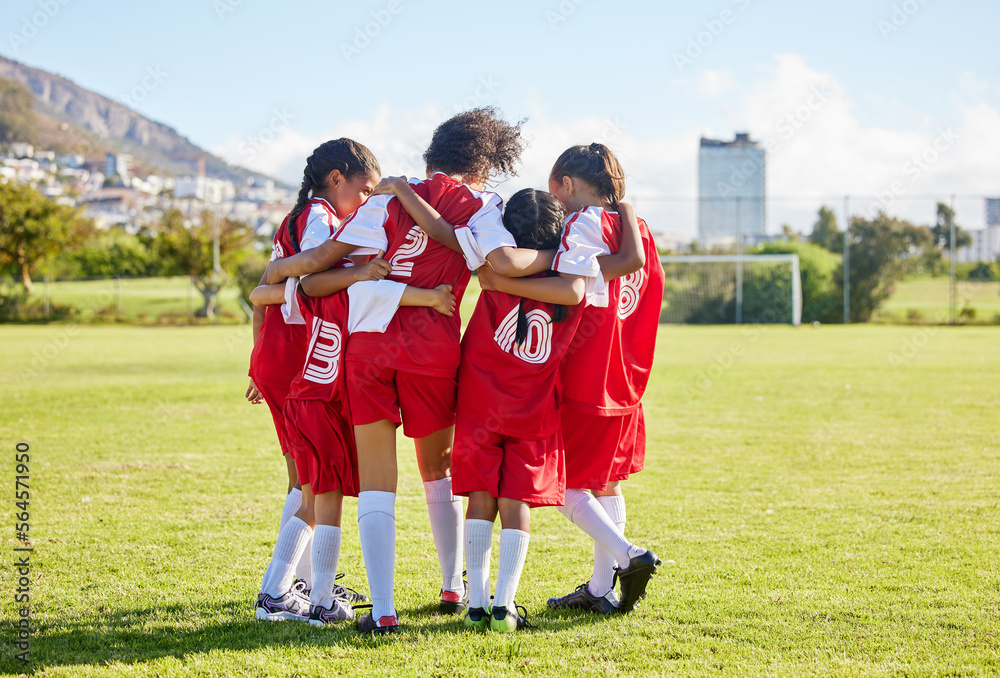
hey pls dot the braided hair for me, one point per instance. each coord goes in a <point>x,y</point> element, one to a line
<point>476,143</point>
<point>596,165</point>
<point>535,219</point>
<point>346,155</point>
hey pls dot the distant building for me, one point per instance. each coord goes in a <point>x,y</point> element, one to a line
<point>205,189</point>
<point>71,161</point>
<point>985,241</point>
<point>993,211</point>
<point>731,190</point>
<point>19,149</point>
<point>117,164</point>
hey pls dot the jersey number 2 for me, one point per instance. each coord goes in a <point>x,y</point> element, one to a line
<point>413,246</point>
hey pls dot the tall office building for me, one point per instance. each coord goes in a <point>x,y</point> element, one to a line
<point>731,190</point>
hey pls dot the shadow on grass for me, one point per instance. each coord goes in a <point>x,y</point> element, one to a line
<point>145,634</point>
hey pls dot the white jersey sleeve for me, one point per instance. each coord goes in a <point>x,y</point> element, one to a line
<point>366,227</point>
<point>373,303</point>
<point>320,226</point>
<point>290,310</point>
<point>582,243</point>
<point>485,232</point>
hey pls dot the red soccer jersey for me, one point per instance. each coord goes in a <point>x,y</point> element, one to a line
<point>363,307</point>
<point>508,388</point>
<point>420,340</point>
<point>277,356</point>
<point>608,363</point>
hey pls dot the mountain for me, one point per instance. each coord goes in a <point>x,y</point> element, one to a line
<point>72,119</point>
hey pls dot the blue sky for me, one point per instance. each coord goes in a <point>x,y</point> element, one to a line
<point>263,84</point>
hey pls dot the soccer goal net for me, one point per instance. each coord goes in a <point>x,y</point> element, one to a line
<point>718,289</point>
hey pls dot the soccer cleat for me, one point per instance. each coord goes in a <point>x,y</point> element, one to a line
<point>341,610</point>
<point>379,627</point>
<point>635,577</point>
<point>505,620</point>
<point>347,592</point>
<point>477,618</point>
<point>289,606</point>
<point>583,599</point>
<point>452,603</point>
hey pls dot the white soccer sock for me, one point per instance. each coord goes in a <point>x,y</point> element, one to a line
<point>293,500</point>
<point>513,552</point>
<point>377,530</point>
<point>326,553</point>
<point>586,512</point>
<point>603,578</point>
<point>304,570</point>
<point>292,542</point>
<point>445,512</point>
<point>478,541</point>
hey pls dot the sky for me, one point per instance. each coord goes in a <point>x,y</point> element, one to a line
<point>896,104</point>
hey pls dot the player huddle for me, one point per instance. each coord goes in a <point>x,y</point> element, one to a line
<point>538,404</point>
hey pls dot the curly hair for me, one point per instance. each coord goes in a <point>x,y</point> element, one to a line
<point>348,156</point>
<point>476,144</point>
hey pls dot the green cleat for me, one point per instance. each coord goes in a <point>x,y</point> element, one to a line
<point>505,620</point>
<point>477,618</point>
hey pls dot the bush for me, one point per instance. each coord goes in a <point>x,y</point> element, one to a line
<point>110,254</point>
<point>247,274</point>
<point>982,271</point>
<point>821,300</point>
<point>15,306</point>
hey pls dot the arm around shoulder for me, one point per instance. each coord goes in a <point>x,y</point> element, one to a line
<point>631,256</point>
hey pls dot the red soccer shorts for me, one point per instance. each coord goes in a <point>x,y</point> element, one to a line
<point>601,450</point>
<point>423,404</point>
<point>322,446</point>
<point>275,399</point>
<point>532,471</point>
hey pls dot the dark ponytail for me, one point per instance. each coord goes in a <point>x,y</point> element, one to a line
<point>535,219</point>
<point>596,165</point>
<point>346,155</point>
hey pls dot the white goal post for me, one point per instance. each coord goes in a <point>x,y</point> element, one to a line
<point>741,261</point>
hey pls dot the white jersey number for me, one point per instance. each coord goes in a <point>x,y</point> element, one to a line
<point>323,358</point>
<point>631,289</point>
<point>537,346</point>
<point>413,246</point>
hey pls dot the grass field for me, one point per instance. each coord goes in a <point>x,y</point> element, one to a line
<point>826,500</point>
<point>137,300</point>
<point>927,299</point>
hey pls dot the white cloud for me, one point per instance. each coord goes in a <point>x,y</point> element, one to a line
<point>819,148</point>
<point>714,83</point>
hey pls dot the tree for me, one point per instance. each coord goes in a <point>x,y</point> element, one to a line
<point>187,249</point>
<point>33,227</point>
<point>790,234</point>
<point>879,250</point>
<point>17,113</point>
<point>942,230</point>
<point>825,232</point>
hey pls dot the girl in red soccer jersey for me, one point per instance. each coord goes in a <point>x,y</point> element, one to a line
<point>338,177</point>
<point>508,450</point>
<point>316,419</point>
<point>409,374</point>
<point>605,372</point>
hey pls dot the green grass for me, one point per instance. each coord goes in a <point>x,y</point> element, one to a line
<point>927,299</point>
<point>138,300</point>
<point>826,501</point>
